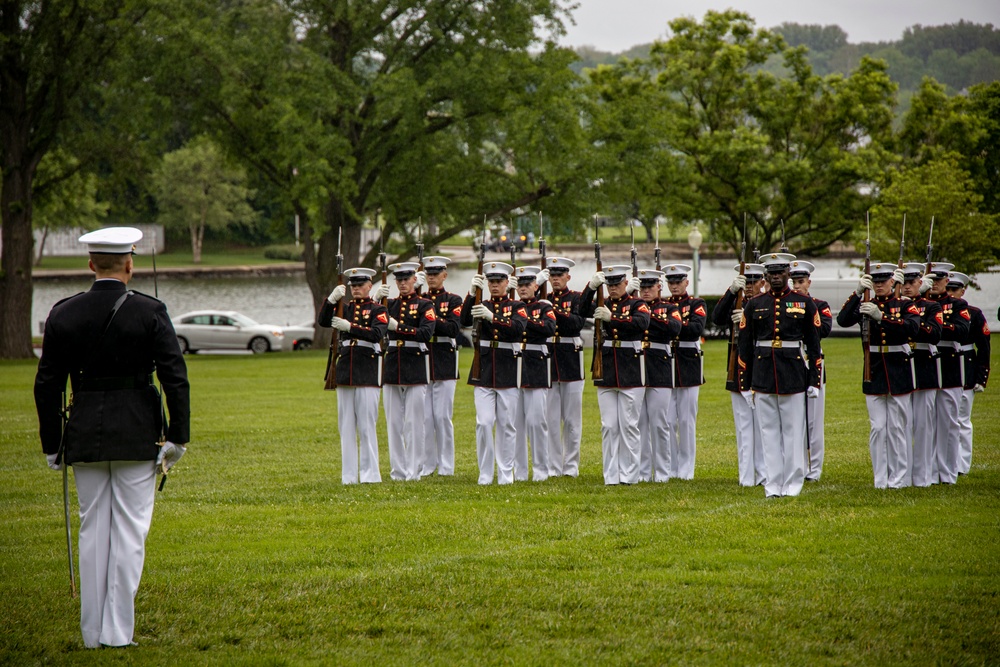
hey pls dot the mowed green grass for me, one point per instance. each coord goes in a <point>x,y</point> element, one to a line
<point>258,555</point>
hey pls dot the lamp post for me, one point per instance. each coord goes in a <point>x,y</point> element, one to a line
<point>694,240</point>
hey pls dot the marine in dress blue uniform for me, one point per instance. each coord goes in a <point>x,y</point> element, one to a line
<point>893,323</point>
<point>654,423</point>
<point>358,373</point>
<point>536,377</point>
<point>749,449</point>
<point>109,342</point>
<point>780,362</point>
<point>566,396</point>
<point>975,348</point>
<point>439,437</point>
<point>501,323</point>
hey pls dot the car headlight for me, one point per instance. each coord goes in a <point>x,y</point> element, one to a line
<point>278,334</point>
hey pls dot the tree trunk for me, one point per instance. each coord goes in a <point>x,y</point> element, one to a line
<point>15,264</point>
<point>196,236</point>
<point>41,246</point>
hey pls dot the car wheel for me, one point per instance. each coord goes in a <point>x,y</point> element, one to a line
<point>259,345</point>
<point>185,348</point>
<point>303,344</point>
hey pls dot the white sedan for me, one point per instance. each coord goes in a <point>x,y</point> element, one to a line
<point>225,330</point>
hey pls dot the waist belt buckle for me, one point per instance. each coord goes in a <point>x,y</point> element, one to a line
<point>353,342</point>
<point>645,344</point>
<point>776,344</point>
<point>616,343</point>
<point>400,343</point>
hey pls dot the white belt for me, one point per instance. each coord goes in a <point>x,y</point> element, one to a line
<point>696,344</point>
<point>660,346</point>
<point>886,349</point>
<point>535,347</point>
<point>407,343</point>
<point>926,346</point>
<point>354,342</point>
<point>443,339</point>
<point>963,348</point>
<point>634,344</point>
<point>780,344</point>
<point>562,340</point>
<point>498,344</point>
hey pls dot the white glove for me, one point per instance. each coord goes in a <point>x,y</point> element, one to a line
<point>481,312</point>
<point>863,284</point>
<point>926,283</point>
<point>478,282</point>
<point>602,313</point>
<point>737,316</point>
<point>978,388</point>
<point>739,283</point>
<point>898,277</point>
<point>812,392</point>
<point>421,279</point>
<point>340,324</point>
<point>381,292</point>
<point>633,285</point>
<point>337,294</point>
<point>542,276</point>
<point>169,455</point>
<point>393,324</point>
<point>748,397</point>
<point>51,458</point>
<point>871,310</point>
<point>597,280</point>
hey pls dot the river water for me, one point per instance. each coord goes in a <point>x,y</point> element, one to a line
<point>286,300</point>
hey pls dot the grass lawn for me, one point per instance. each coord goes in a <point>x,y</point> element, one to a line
<point>258,555</point>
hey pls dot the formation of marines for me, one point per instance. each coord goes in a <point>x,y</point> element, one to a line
<point>928,351</point>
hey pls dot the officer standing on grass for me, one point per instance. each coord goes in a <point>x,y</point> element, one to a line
<point>501,322</point>
<point>358,373</point>
<point>109,342</point>
<point>893,323</point>
<point>975,348</point>
<point>800,273</point>
<point>927,369</point>
<point>749,450</point>
<point>407,373</point>
<point>566,396</point>
<point>780,362</point>
<point>439,437</point>
<point>689,372</point>
<point>654,420</point>
<point>532,422</point>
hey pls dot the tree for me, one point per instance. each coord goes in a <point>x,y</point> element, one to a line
<point>195,188</point>
<point>50,53</point>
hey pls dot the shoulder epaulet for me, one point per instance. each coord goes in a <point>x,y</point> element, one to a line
<point>148,296</point>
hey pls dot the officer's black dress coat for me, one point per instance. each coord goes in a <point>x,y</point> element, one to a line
<point>539,326</point>
<point>977,361</point>
<point>566,364</point>
<point>623,364</point>
<point>448,325</point>
<point>892,372</point>
<point>359,364</point>
<point>924,363</point>
<point>779,319</point>
<point>497,363</point>
<point>664,327</point>
<point>957,322</point>
<point>116,412</point>
<point>407,364</point>
<point>688,370</point>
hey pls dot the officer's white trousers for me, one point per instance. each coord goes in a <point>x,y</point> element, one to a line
<point>654,435</point>
<point>817,434</point>
<point>620,410</point>
<point>684,420</point>
<point>783,435</point>
<point>404,421</point>
<point>923,421</point>
<point>889,439</point>
<point>749,448</point>
<point>357,413</point>
<point>495,408</point>
<point>116,507</point>
<point>439,431</point>
<point>948,439</point>
<point>965,422</point>
<point>565,410</point>
<point>532,424</point>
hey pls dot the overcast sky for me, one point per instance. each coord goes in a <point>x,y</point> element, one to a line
<point>616,25</point>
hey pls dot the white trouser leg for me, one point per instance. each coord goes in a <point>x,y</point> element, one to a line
<point>682,458</point>
<point>486,417</point>
<point>965,423</point>
<point>782,424</point>
<point>347,425</point>
<point>414,399</point>
<point>506,434</point>
<point>366,408</point>
<point>392,396</point>
<point>620,433</point>
<point>534,403</point>
<point>431,453</point>
<point>564,449</point>
<point>759,462</point>
<point>441,443</point>
<point>607,402</point>
<point>116,508</point>
<point>746,434</point>
<point>645,444</point>
<point>899,441</point>
<point>817,435</point>
<point>878,438</point>
<point>520,440</point>
<point>948,436</point>
<point>655,403</point>
<point>923,418</point>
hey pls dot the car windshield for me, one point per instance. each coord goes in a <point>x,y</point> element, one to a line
<point>242,320</point>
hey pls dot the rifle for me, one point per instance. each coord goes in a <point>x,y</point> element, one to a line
<point>381,261</point>
<point>756,237</point>
<point>902,241</point>
<point>930,249</point>
<point>656,250</point>
<point>477,329</point>
<point>331,360</point>
<point>733,336</point>
<point>512,285</point>
<point>64,416</point>
<point>865,325</point>
<point>597,366</point>
<point>420,249</point>
<point>634,252</point>
<point>543,289</point>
